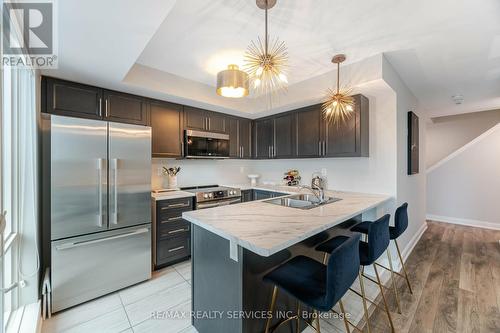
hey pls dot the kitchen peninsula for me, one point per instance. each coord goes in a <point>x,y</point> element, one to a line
<point>233,247</point>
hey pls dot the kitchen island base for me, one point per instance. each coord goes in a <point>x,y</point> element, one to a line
<point>230,296</point>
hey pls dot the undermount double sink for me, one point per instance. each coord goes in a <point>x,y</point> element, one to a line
<point>301,201</point>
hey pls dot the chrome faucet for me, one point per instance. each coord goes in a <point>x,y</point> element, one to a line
<point>316,188</point>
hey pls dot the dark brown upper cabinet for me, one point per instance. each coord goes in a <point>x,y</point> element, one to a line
<point>166,123</point>
<point>79,100</point>
<point>203,120</point>
<point>239,130</point>
<point>195,118</point>
<point>274,136</point>
<point>309,131</point>
<point>349,138</point>
<point>216,122</point>
<point>125,108</point>
<point>71,99</point>
<point>232,128</point>
<point>245,137</point>
<point>316,137</point>
<point>284,136</point>
<point>264,138</point>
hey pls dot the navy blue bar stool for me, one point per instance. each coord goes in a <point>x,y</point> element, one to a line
<point>369,252</point>
<point>314,284</point>
<point>400,225</point>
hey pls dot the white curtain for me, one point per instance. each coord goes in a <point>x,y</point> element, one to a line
<point>28,260</point>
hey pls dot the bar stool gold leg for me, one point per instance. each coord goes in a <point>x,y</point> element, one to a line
<point>271,308</point>
<point>318,329</point>
<point>393,279</point>
<point>365,307</point>
<point>383,298</point>
<point>346,322</point>
<point>297,327</point>
<point>404,268</point>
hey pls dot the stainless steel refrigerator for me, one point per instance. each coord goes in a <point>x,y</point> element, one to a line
<point>100,208</point>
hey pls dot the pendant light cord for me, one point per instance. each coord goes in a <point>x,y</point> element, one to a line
<point>265,37</point>
<point>338,77</point>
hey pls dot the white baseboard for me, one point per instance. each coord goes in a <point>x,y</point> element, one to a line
<point>467,222</point>
<point>413,242</point>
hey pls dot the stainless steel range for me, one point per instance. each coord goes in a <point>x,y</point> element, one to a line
<point>213,195</point>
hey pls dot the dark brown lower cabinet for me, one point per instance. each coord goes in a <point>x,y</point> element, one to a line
<point>246,195</point>
<point>171,233</point>
<point>166,123</point>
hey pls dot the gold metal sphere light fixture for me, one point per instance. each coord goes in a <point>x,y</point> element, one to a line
<point>267,62</point>
<point>339,104</point>
<point>232,82</point>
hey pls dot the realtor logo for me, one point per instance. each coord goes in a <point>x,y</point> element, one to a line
<point>29,34</point>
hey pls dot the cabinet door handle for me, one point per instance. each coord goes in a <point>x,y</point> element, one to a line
<point>320,148</point>
<point>175,218</point>
<point>178,230</point>
<point>106,114</point>
<point>177,205</point>
<point>176,249</point>
<point>209,125</point>
<point>100,106</point>
<point>324,148</point>
<point>100,167</point>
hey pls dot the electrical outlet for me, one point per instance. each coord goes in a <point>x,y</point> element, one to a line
<point>324,172</point>
<point>160,170</point>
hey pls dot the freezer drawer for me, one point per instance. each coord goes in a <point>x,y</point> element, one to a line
<point>90,266</point>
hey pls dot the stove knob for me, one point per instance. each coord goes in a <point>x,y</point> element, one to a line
<point>210,195</point>
<point>205,195</point>
<point>230,192</point>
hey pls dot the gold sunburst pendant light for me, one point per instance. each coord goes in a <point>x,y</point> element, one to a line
<point>339,104</point>
<point>267,63</point>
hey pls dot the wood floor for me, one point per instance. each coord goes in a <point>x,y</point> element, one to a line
<point>455,275</point>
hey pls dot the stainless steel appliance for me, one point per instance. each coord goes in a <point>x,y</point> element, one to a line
<point>200,144</point>
<point>100,207</point>
<point>214,196</point>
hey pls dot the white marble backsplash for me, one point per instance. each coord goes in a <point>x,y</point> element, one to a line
<point>201,172</point>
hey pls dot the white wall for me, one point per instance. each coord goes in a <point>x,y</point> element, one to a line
<point>447,134</point>
<point>411,189</point>
<point>466,188</point>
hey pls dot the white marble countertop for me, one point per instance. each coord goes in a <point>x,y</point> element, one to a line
<point>266,229</point>
<point>176,194</point>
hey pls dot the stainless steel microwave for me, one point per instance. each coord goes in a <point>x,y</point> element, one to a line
<point>198,144</point>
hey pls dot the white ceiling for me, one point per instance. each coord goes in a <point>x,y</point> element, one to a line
<point>439,48</point>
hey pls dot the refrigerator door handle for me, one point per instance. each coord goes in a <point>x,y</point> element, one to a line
<point>114,219</point>
<point>100,166</point>
<point>100,240</point>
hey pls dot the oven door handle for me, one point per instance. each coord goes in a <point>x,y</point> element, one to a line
<point>217,204</point>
